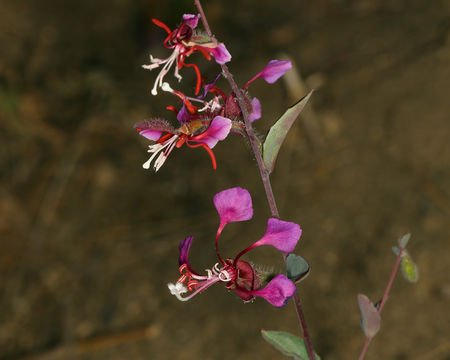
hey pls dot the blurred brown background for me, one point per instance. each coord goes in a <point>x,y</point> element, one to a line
<point>89,239</point>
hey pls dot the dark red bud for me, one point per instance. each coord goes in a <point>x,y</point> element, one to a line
<point>232,109</point>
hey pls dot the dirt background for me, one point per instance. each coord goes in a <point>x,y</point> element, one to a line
<point>89,239</point>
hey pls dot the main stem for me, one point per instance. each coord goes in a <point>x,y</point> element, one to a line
<point>262,170</point>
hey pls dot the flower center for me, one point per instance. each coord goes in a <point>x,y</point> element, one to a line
<point>183,33</point>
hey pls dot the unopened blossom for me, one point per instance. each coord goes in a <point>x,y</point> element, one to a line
<point>246,280</point>
<point>184,41</point>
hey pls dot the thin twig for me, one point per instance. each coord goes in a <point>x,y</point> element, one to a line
<point>263,172</point>
<point>383,300</point>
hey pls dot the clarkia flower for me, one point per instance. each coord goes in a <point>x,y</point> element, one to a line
<point>246,280</point>
<point>195,133</point>
<point>185,40</point>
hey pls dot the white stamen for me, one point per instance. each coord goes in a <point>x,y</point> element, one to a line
<point>177,290</point>
<point>216,269</point>
<point>224,276</point>
<point>166,87</point>
<point>159,161</point>
<point>213,105</point>
<point>210,274</point>
<point>155,62</point>
<point>156,149</point>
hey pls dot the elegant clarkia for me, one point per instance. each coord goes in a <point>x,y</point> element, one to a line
<point>185,40</point>
<point>245,279</point>
<point>194,133</point>
<point>204,125</point>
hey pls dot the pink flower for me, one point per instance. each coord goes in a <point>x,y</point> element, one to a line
<point>184,41</point>
<point>245,280</point>
<point>195,133</point>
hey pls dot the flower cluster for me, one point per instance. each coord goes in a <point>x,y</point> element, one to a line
<point>238,275</point>
<point>184,41</point>
<point>202,122</point>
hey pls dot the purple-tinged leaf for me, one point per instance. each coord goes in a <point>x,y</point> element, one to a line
<point>287,344</point>
<point>297,268</point>
<point>370,318</point>
<point>278,132</point>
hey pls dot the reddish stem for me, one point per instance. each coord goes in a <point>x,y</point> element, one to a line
<point>383,300</point>
<point>263,172</point>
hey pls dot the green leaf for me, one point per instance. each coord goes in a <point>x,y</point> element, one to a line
<point>297,268</point>
<point>409,268</point>
<point>278,132</point>
<point>287,344</point>
<point>370,317</point>
<point>410,271</point>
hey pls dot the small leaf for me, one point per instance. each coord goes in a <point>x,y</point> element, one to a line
<point>403,241</point>
<point>278,132</point>
<point>297,268</point>
<point>409,268</point>
<point>287,344</point>
<point>370,318</point>
<point>396,250</point>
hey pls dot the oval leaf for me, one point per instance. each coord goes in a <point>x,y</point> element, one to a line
<point>410,271</point>
<point>297,268</point>
<point>409,268</point>
<point>396,250</point>
<point>403,241</point>
<point>278,132</point>
<point>287,344</point>
<point>370,318</point>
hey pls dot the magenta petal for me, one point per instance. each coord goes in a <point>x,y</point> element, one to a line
<point>278,291</point>
<point>184,247</point>
<point>191,20</point>
<point>274,70</point>
<point>183,115</point>
<point>282,235</point>
<point>209,86</point>
<point>218,130</point>
<point>256,110</point>
<point>233,204</point>
<point>221,54</point>
<point>151,134</point>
